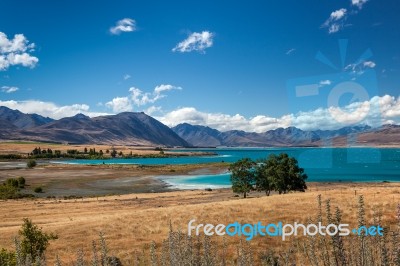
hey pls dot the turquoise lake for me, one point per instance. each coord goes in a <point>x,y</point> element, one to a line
<point>320,164</point>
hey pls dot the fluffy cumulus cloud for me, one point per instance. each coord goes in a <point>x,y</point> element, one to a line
<point>358,3</point>
<point>123,25</point>
<point>195,42</point>
<point>139,98</point>
<point>8,89</point>
<point>335,22</point>
<point>120,104</point>
<point>374,112</point>
<point>16,51</point>
<point>49,109</point>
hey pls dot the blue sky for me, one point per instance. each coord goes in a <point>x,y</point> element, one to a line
<point>217,63</point>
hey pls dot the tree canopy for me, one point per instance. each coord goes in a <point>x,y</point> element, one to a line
<point>242,176</point>
<point>279,173</point>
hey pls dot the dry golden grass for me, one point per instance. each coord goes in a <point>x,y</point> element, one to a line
<point>132,221</point>
<point>27,147</point>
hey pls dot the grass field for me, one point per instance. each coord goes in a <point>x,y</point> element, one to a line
<point>24,147</point>
<point>130,222</point>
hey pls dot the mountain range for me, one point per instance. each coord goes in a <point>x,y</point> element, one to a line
<point>132,128</point>
<point>203,136</point>
<point>124,128</point>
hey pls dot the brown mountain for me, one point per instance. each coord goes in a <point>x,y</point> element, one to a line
<point>125,128</point>
<point>387,135</point>
<point>202,136</point>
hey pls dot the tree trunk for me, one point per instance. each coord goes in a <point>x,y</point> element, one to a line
<point>244,195</point>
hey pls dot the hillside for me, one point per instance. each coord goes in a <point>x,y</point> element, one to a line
<point>125,128</point>
<point>201,136</point>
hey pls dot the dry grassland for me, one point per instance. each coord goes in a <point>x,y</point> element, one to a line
<point>131,221</point>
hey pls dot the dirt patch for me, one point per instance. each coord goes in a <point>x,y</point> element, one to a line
<point>99,180</point>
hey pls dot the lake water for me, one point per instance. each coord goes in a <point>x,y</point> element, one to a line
<point>320,164</point>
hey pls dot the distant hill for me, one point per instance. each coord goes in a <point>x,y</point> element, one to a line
<point>21,120</point>
<point>139,129</point>
<point>387,135</point>
<point>125,128</point>
<point>202,136</point>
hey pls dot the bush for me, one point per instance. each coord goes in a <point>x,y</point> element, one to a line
<point>31,163</point>
<point>34,241</point>
<point>7,257</point>
<point>38,190</point>
<point>12,182</point>
<point>21,182</point>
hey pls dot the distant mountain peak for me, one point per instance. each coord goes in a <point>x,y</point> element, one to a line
<point>21,120</point>
<point>81,116</point>
<point>127,128</point>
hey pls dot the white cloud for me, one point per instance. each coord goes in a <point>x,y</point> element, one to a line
<point>16,52</point>
<point>375,112</point>
<point>369,64</point>
<point>358,3</point>
<point>359,67</point>
<point>49,109</point>
<point>165,87</point>
<point>335,21</point>
<point>120,104</point>
<point>123,25</point>
<point>290,51</point>
<point>139,98</point>
<point>338,14</point>
<point>153,109</point>
<point>325,82</point>
<point>195,42</point>
<point>8,89</point>
<point>127,76</point>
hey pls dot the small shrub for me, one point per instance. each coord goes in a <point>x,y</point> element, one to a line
<point>7,257</point>
<point>12,182</point>
<point>38,190</point>
<point>34,241</point>
<point>21,182</point>
<point>31,163</point>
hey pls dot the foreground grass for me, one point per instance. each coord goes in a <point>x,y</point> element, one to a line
<point>132,222</point>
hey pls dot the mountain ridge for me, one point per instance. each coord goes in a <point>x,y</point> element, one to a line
<point>134,128</point>
<point>289,137</point>
<point>124,128</point>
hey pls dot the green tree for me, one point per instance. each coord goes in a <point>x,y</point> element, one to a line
<point>280,173</point>
<point>263,180</point>
<point>242,176</point>
<point>34,241</point>
<point>31,163</point>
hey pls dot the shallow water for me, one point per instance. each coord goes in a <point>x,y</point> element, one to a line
<point>320,164</point>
